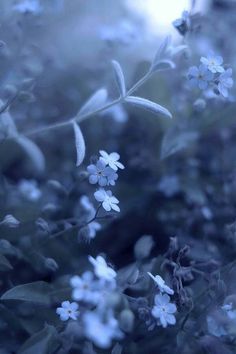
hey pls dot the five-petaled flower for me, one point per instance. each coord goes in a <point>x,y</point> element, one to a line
<point>101,174</point>
<point>101,269</point>
<point>99,330</point>
<point>84,288</point>
<point>213,63</point>
<point>108,201</point>
<point>200,76</point>
<point>161,284</point>
<point>164,310</point>
<point>111,160</point>
<point>68,310</point>
<point>225,82</point>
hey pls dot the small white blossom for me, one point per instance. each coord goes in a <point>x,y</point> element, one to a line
<point>213,63</point>
<point>161,284</point>
<point>10,221</point>
<point>101,331</point>
<point>68,310</point>
<point>108,201</point>
<point>93,227</point>
<point>29,190</point>
<point>85,288</point>
<point>87,205</point>
<point>163,310</point>
<point>225,82</point>
<point>111,160</point>
<point>228,308</point>
<point>30,6</point>
<point>101,269</point>
<point>215,327</point>
<point>101,174</point>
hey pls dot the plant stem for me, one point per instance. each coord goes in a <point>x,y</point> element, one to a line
<point>81,118</point>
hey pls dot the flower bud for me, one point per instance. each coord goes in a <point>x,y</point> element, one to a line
<point>51,264</point>
<point>199,105</point>
<point>4,244</point>
<point>126,320</point>
<point>10,221</point>
<point>143,247</point>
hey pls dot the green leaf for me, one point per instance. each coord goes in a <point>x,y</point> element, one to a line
<point>79,144</point>
<point>164,64</point>
<point>4,263</point>
<point>37,292</point>
<point>120,80</point>
<point>175,141</point>
<point>95,102</point>
<point>148,105</point>
<point>161,50</point>
<point>44,342</point>
<point>33,152</point>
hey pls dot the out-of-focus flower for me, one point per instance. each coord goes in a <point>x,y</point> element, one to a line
<point>101,331</point>
<point>101,269</point>
<point>213,63</point>
<point>164,310</point>
<point>111,177</point>
<point>111,160</point>
<point>84,288</point>
<point>199,77</point>
<point>87,205</point>
<point>101,174</point>
<point>93,227</point>
<point>28,6</point>
<point>68,310</point>
<point>214,327</point>
<point>161,284</point>
<point>225,82</point>
<point>169,185</point>
<point>108,201</point>
<point>228,308</point>
<point>199,104</point>
<point>123,33</point>
<point>10,221</point>
<point>29,189</point>
<point>182,24</point>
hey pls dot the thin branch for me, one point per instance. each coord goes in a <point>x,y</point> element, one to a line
<point>81,118</point>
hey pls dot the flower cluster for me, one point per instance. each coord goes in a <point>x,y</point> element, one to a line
<point>163,310</point>
<point>93,290</point>
<point>104,173</point>
<point>211,74</point>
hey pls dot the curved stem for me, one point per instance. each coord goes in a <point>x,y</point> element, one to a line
<point>81,118</point>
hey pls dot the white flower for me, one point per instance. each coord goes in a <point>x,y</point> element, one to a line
<point>101,331</point>
<point>163,310</point>
<point>213,63</point>
<point>161,284</point>
<point>87,205</point>
<point>111,160</point>
<point>85,288</point>
<point>228,308</point>
<point>225,82</point>
<point>101,174</point>
<point>215,327</point>
<point>93,227</point>
<point>101,269</point>
<point>108,201</point>
<point>68,310</point>
<point>31,6</point>
<point>10,221</point>
<point>30,190</point>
